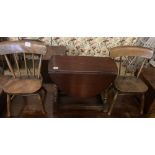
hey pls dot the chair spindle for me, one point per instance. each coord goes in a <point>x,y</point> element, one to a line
<point>17,64</point>
<point>141,67</point>
<point>120,66</point>
<point>25,63</point>
<point>9,65</point>
<point>33,64</point>
<point>39,67</point>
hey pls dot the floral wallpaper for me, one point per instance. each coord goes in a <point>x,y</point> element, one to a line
<point>87,46</point>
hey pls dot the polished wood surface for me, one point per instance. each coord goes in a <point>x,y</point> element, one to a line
<point>131,51</point>
<point>51,50</point>
<point>82,77</point>
<point>82,64</point>
<point>22,86</point>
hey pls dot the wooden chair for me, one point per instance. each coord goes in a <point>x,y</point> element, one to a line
<point>130,83</point>
<point>24,61</point>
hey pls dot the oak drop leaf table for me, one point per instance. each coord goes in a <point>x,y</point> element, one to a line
<point>81,78</point>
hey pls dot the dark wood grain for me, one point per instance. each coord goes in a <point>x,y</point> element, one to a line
<point>81,76</point>
<point>82,64</point>
<point>51,50</point>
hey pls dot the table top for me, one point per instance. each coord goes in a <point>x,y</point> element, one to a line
<point>82,76</point>
<point>149,76</point>
<point>82,64</point>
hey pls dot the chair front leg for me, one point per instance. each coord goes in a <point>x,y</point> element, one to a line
<point>112,104</point>
<point>42,103</point>
<point>45,94</point>
<point>142,104</point>
<point>8,105</point>
<point>104,95</point>
<point>12,97</point>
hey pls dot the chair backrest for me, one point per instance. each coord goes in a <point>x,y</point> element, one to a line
<point>20,53</point>
<point>130,55</point>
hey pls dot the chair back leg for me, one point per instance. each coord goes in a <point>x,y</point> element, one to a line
<point>142,104</point>
<point>112,104</point>
<point>41,103</point>
<point>8,105</point>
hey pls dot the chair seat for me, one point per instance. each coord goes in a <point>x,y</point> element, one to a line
<point>4,80</point>
<point>22,86</point>
<point>130,85</point>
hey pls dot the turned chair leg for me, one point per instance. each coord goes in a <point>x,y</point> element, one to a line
<point>105,94</point>
<point>104,98</point>
<point>112,104</point>
<point>42,104</point>
<point>45,94</point>
<point>142,104</point>
<point>8,105</point>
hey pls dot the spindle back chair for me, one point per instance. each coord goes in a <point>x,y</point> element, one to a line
<point>24,61</point>
<point>26,49</point>
<point>128,81</point>
<point>131,54</point>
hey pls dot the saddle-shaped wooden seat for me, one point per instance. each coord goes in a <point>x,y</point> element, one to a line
<point>4,80</point>
<point>22,86</point>
<point>130,85</point>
